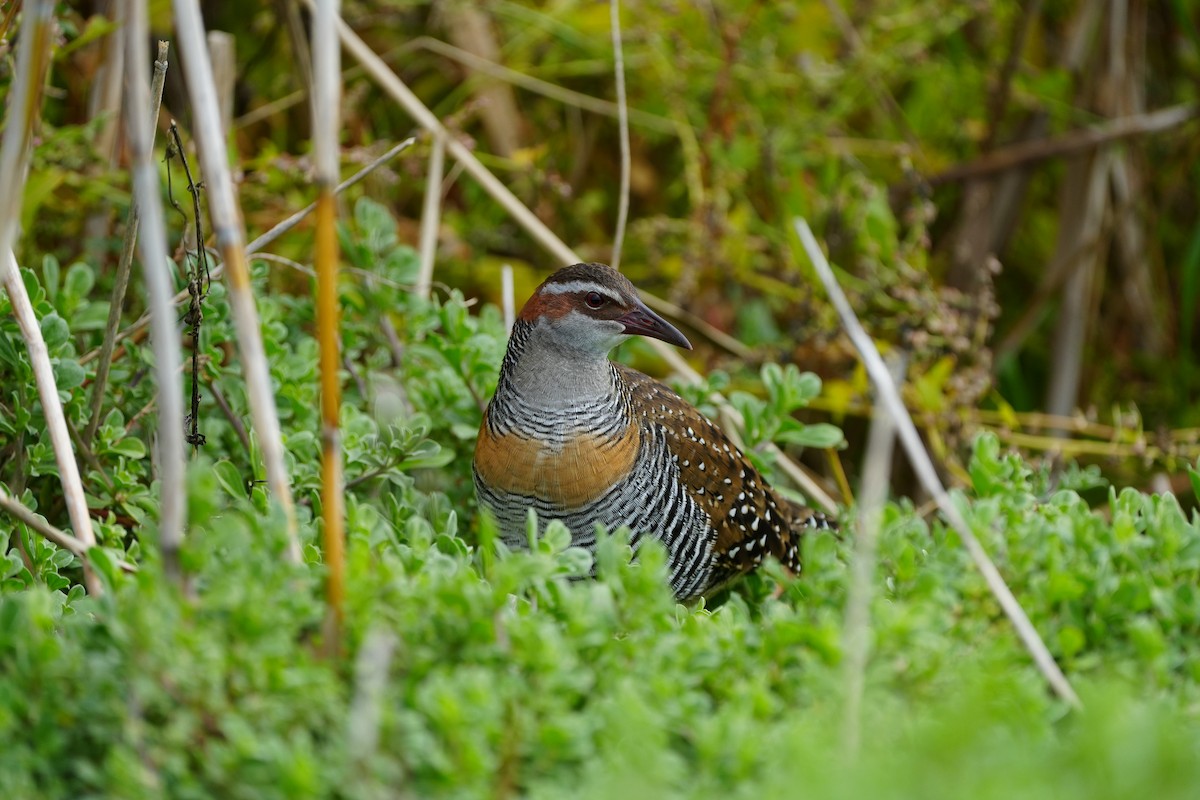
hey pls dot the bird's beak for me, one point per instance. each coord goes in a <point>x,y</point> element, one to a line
<point>644,322</point>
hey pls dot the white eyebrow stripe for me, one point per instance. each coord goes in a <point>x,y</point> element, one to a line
<point>582,286</point>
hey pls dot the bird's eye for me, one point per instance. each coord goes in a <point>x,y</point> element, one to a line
<point>594,299</point>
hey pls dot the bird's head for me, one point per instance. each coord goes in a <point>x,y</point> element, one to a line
<point>592,308</point>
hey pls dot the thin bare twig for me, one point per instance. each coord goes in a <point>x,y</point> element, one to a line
<point>614,7</point>
<point>889,397</point>
<point>231,240</point>
<point>24,103</point>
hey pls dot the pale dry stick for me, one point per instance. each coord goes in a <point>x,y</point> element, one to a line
<point>614,7</point>
<point>889,397</point>
<point>382,74</point>
<point>222,52</point>
<point>431,215</point>
<point>872,495</point>
<point>24,104</point>
<point>124,266</point>
<point>370,679</point>
<point>40,526</point>
<point>392,84</point>
<point>507,302</point>
<point>231,240</point>
<point>326,110</point>
<point>159,274</point>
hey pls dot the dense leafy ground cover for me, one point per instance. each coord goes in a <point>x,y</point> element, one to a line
<point>469,672</point>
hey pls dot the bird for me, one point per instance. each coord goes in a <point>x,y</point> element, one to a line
<point>587,441</point>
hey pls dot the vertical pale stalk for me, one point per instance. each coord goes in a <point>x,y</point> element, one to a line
<point>623,126</point>
<point>888,396</point>
<point>431,214</point>
<point>24,102</point>
<point>156,266</point>
<point>326,107</point>
<point>877,466</point>
<point>231,241</point>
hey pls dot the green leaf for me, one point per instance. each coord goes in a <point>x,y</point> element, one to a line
<point>50,274</point>
<point>68,374</point>
<point>820,434</point>
<point>230,478</point>
<point>79,282</point>
<point>55,331</point>
<point>130,448</point>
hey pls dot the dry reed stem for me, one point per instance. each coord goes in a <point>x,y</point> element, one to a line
<point>431,215</point>
<point>391,83</point>
<point>231,241</point>
<point>124,266</point>
<point>889,397</point>
<point>614,7</point>
<point>141,114</point>
<point>24,103</point>
<point>326,110</point>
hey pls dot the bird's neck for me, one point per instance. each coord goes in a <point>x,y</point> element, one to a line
<point>541,378</point>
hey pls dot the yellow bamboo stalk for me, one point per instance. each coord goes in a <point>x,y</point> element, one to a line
<point>326,102</point>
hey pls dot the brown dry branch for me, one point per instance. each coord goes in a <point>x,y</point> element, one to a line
<point>124,265</point>
<point>469,26</point>
<point>326,110</point>
<point>392,84</point>
<point>141,116</point>
<point>24,103</point>
<point>231,240</point>
<point>1024,153</point>
<point>889,397</point>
